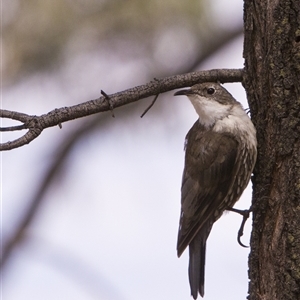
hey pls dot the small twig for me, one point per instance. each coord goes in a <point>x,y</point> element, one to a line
<point>149,107</point>
<point>109,103</point>
<point>13,128</point>
<point>245,214</point>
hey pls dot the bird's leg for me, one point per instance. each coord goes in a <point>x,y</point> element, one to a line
<point>245,213</point>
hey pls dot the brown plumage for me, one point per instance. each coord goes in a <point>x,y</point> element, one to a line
<point>220,156</point>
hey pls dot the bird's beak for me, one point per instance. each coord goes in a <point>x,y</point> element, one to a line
<point>183,92</point>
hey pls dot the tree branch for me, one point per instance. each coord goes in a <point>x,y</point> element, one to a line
<point>36,124</point>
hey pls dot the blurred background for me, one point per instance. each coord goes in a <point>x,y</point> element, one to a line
<point>91,211</point>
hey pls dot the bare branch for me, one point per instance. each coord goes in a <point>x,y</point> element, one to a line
<point>36,124</point>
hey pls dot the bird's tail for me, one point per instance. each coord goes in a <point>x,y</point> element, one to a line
<point>197,250</point>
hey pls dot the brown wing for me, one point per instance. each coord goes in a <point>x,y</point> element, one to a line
<point>209,173</point>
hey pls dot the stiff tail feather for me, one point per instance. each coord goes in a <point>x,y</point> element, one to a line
<point>197,250</point>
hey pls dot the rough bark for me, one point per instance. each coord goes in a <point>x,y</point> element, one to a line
<point>272,82</point>
<point>36,124</point>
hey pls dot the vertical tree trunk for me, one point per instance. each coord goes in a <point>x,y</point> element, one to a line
<point>272,82</point>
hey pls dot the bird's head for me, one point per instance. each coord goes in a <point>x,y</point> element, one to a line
<point>211,101</point>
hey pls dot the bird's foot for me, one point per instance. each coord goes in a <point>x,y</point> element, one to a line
<point>245,213</point>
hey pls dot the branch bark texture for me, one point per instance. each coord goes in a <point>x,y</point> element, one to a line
<point>36,124</point>
<point>272,66</point>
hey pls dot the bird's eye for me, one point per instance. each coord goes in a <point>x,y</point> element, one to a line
<point>210,91</point>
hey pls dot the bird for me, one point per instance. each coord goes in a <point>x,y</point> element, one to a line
<point>220,154</point>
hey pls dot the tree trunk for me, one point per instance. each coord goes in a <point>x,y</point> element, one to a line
<point>272,83</point>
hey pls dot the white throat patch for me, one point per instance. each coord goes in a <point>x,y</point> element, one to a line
<point>209,111</point>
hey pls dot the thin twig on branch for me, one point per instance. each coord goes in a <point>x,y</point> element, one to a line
<point>150,106</point>
<point>110,104</point>
<point>36,124</point>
